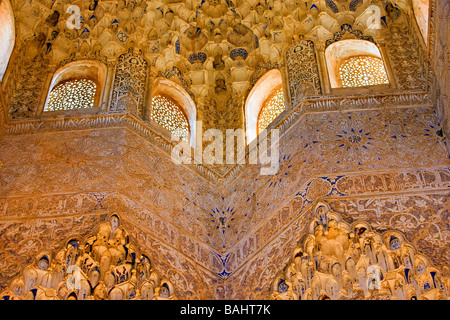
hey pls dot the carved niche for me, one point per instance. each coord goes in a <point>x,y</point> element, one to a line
<point>302,71</point>
<point>129,83</point>
<point>339,261</point>
<point>105,266</point>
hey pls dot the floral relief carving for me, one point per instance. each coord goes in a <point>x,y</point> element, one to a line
<point>25,83</point>
<point>129,83</point>
<point>302,70</point>
<point>406,58</point>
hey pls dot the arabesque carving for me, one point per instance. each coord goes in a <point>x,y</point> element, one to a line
<point>303,74</point>
<point>129,83</point>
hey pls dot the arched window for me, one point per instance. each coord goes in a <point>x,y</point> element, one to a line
<point>72,94</point>
<point>76,86</point>
<point>355,63</point>
<point>273,106</point>
<point>264,103</point>
<point>167,113</point>
<point>7,35</point>
<point>173,109</point>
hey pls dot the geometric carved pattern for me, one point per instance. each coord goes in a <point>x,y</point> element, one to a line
<point>72,94</point>
<point>273,106</point>
<point>129,83</point>
<point>168,114</point>
<point>338,261</point>
<point>302,71</point>
<point>105,266</point>
<point>362,71</point>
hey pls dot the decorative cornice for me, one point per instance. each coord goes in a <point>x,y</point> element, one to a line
<point>103,120</point>
<point>215,174</point>
<point>289,118</point>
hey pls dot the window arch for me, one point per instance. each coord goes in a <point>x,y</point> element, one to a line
<point>167,113</point>
<point>76,86</point>
<point>264,103</point>
<point>72,94</point>
<point>173,109</point>
<point>361,71</point>
<point>355,63</point>
<point>7,35</point>
<point>272,107</point>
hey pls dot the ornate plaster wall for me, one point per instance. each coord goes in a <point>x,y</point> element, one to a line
<point>398,163</point>
<point>220,232</point>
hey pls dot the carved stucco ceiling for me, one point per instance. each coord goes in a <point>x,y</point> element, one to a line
<point>169,32</point>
